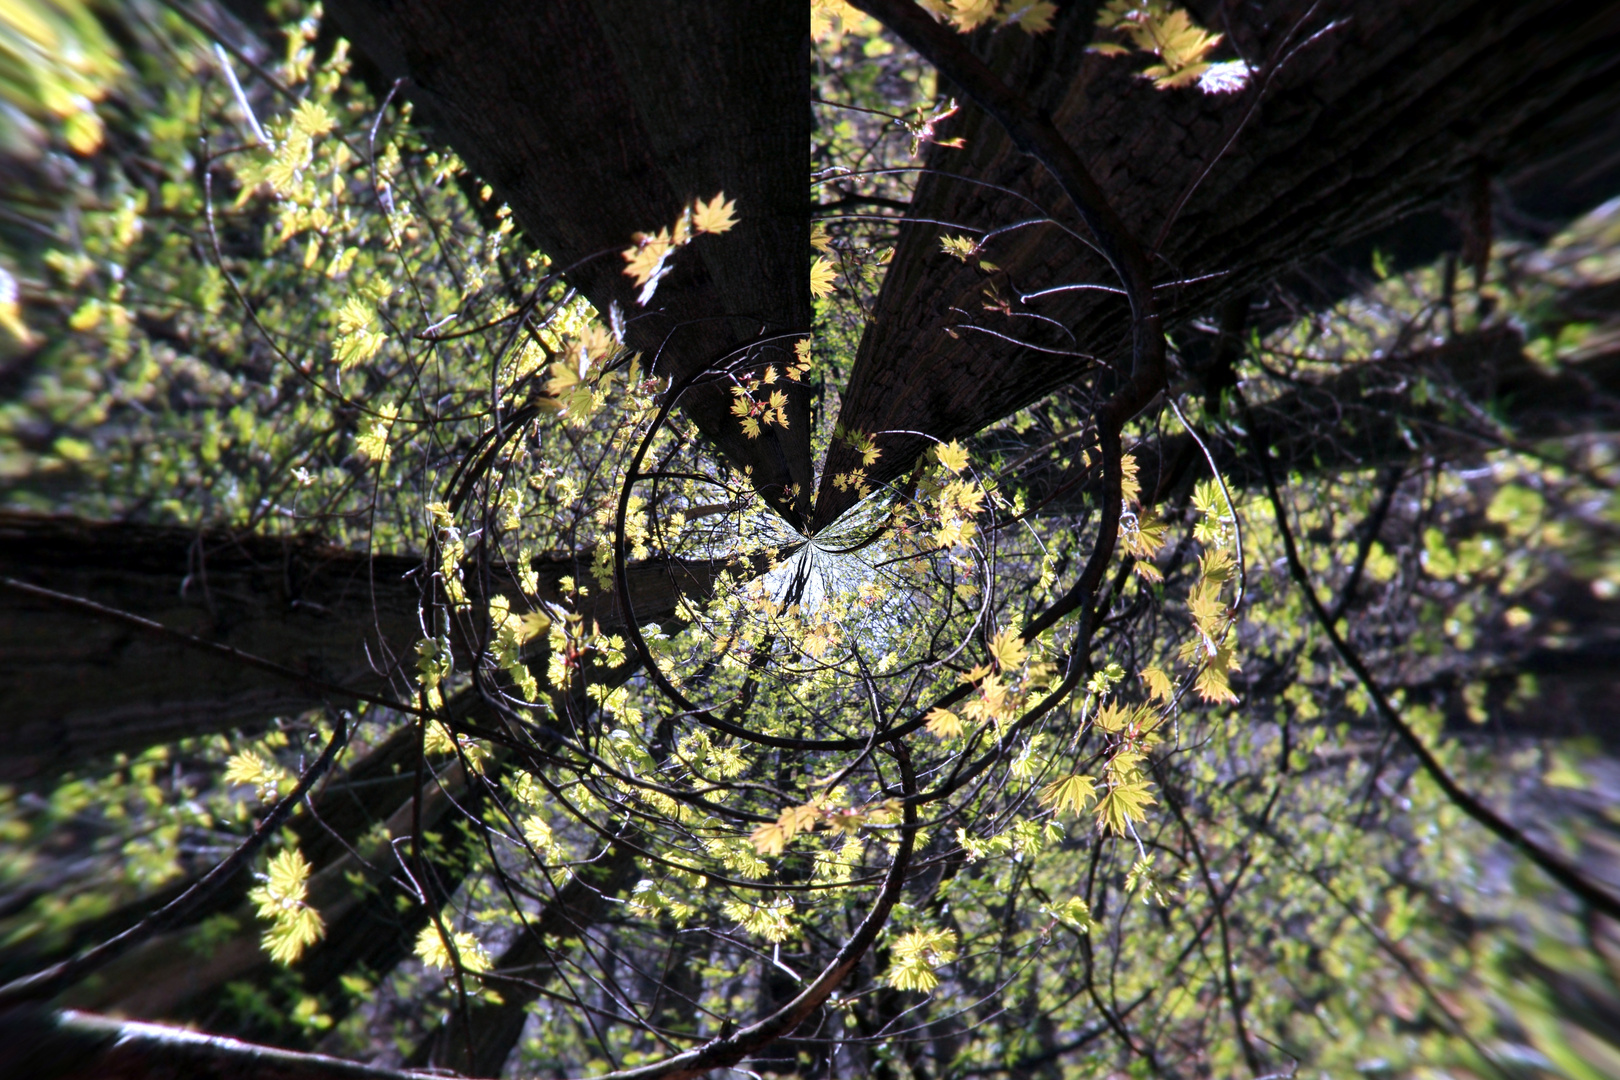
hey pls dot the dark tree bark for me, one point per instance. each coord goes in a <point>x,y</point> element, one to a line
<point>595,121</point>
<point>1393,107</point>
<point>74,688</point>
<point>1529,201</point>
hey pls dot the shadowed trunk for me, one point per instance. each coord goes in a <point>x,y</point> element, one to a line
<point>74,687</point>
<point>372,920</point>
<point>595,121</point>
<point>365,794</point>
<point>1394,107</point>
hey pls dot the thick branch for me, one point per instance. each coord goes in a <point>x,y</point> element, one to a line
<point>82,681</point>
<point>1364,418</point>
<point>48,983</point>
<point>81,1046</point>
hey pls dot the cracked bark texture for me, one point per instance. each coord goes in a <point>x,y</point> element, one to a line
<point>1390,110</point>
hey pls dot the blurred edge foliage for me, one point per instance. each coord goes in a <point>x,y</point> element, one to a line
<point>314,330</point>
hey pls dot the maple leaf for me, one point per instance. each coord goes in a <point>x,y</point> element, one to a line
<point>562,377</point>
<point>596,342</point>
<point>1167,78</point>
<point>715,216</point>
<point>532,625</point>
<point>1112,718</point>
<point>1158,683</point>
<point>777,408</point>
<point>312,119</point>
<point>1147,538</point>
<point>969,500</point>
<point>1122,804</point>
<point>373,444</point>
<point>773,838</point>
<point>848,822</point>
<point>1204,603</point>
<point>1129,488</point>
<point>248,767</point>
<point>958,247</point>
<point>822,277</point>
<point>944,724</point>
<point>975,674</point>
<point>1209,500</point>
<point>769,839</point>
<point>1212,685</point>
<point>1215,565</point>
<point>953,455</point>
<point>992,700</point>
<point>819,238</point>
<point>1035,17</point>
<point>281,899</point>
<point>1071,793</point>
<point>1076,913</point>
<point>1182,42</point>
<point>915,956</point>
<point>801,354</point>
<point>288,871</point>
<point>1008,649</point>
<point>1124,766</point>
<point>798,819</point>
<point>969,15</point>
<point>646,255</point>
<point>435,952</point>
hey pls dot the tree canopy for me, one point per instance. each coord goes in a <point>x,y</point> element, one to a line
<point>951,538</point>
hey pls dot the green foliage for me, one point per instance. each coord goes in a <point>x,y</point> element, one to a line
<point>294,925</point>
<point>314,337</point>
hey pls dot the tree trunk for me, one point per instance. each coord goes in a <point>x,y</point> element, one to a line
<point>367,793</point>
<point>174,975</point>
<point>74,688</point>
<point>1390,107</point>
<point>595,121</point>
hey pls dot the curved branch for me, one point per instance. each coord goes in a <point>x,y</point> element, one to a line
<point>58,977</point>
<point>1554,866</point>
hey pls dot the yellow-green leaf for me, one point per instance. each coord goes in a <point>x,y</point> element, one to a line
<point>1072,794</point>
